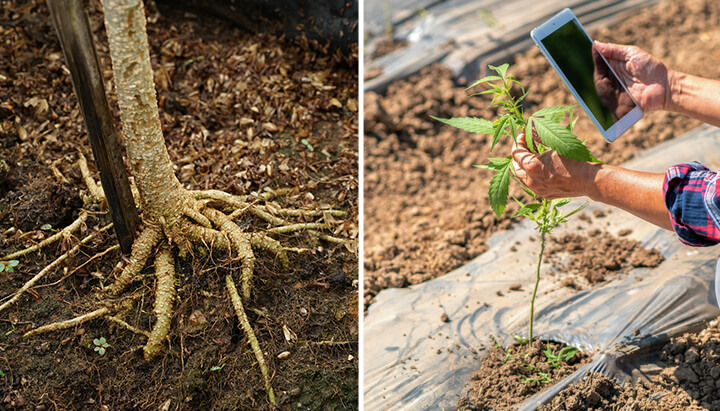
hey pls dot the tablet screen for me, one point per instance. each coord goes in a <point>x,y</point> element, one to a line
<point>588,73</point>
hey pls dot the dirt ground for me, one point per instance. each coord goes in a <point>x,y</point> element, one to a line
<point>426,207</point>
<point>689,381</point>
<point>241,113</point>
<point>495,386</point>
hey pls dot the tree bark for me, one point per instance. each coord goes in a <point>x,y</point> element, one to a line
<point>162,197</point>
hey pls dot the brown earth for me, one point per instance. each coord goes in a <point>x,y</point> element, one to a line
<point>426,208</point>
<point>506,375</point>
<point>598,256</point>
<point>690,380</point>
<point>234,108</point>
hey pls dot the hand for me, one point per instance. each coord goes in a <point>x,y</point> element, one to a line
<point>609,89</point>
<point>549,175</point>
<point>644,76</point>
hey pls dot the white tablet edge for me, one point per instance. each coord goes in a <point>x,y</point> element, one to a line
<point>623,124</point>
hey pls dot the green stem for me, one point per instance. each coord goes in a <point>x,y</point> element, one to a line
<point>537,282</point>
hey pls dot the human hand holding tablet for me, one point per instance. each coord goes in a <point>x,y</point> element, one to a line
<point>588,75</point>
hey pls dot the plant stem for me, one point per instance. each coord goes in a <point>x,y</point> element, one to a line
<point>537,282</point>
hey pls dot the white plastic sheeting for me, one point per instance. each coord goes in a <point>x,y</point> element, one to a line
<point>413,360</point>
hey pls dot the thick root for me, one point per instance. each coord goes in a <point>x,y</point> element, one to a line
<point>241,244</point>
<point>55,237</point>
<point>164,297</point>
<point>97,194</point>
<point>61,325</point>
<point>252,339</point>
<point>141,250</point>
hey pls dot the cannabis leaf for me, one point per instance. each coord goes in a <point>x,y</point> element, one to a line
<point>471,124</point>
<point>498,191</point>
<point>560,139</point>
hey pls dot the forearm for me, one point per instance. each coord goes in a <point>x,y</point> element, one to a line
<point>694,96</point>
<point>636,192</point>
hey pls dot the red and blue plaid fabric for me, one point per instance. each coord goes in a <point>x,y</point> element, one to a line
<point>693,200</point>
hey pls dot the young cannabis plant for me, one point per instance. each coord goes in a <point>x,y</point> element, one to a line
<point>548,124</point>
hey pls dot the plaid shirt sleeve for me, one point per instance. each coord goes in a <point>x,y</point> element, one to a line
<point>692,197</point>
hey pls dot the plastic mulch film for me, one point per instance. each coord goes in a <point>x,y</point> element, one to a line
<point>414,360</point>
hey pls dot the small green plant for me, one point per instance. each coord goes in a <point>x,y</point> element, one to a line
<point>100,345</point>
<point>540,378</point>
<point>554,134</point>
<point>8,266</point>
<point>555,360</point>
<point>217,367</point>
<point>307,144</point>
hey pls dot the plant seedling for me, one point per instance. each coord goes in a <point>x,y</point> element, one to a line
<point>217,367</point>
<point>8,266</point>
<point>100,345</point>
<point>555,360</point>
<point>539,378</point>
<point>554,135</point>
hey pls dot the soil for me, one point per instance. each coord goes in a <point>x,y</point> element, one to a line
<point>426,207</point>
<point>501,380</point>
<point>689,380</point>
<point>235,108</point>
<point>598,256</point>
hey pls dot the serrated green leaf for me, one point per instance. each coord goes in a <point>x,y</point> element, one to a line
<point>575,211</point>
<point>2,267</point>
<point>567,353</point>
<point>529,135</point>
<point>471,124</point>
<point>496,163</point>
<point>499,129</point>
<point>501,70</point>
<point>498,190</point>
<point>483,80</point>
<point>561,140</point>
<point>513,128</point>
<point>551,111</point>
<point>527,209</point>
<point>559,202</point>
<point>13,263</point>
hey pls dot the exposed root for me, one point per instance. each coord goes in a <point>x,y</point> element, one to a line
<point>141,250</point>
<point>286,212</point>
<point>51,266</point>
<point>200,224</point>
<point>241,244</point>
<point>65,232</point>
<point>297,227</point>
<point>245,324</point>
<point>197,216</point>
<point>61,325</point>
<point>164,297</point>
<point>97,194</point>
<point>128,326</point>
<point>263,242</point>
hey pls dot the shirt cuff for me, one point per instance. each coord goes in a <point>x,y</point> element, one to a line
<point>691,198</point>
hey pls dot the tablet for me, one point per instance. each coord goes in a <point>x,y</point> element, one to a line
<point>595,85</point>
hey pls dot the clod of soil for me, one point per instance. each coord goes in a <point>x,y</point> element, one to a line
<point>690,380</point>
<point>501,381</point>
<point>599,256</point>
<point>37,198</point>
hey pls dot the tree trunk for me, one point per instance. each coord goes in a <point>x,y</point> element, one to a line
<point>162,197</point>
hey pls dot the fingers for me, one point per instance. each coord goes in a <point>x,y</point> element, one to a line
<point>613,51</point>
<point>521,156</point>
